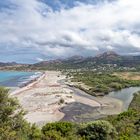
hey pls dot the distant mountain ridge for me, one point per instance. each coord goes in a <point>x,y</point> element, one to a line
<point>109,57</point>
<point>76,62</point>
<point>8,64</point>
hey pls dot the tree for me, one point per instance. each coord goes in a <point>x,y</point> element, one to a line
<point>12,124</point>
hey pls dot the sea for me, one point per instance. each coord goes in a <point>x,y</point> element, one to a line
<point>16,78</point>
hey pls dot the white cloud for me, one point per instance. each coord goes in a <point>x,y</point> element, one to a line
<point>85,28</point>
<point>39,59</point>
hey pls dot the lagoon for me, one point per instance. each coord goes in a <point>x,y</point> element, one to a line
<point>125,95</point>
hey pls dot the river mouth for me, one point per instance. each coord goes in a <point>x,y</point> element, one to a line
<point>125,95</point>
<point>116,101</point>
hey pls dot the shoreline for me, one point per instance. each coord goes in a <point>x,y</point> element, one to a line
<point>15,80</point>
<point>27,85</point>
<point>44,99</point>
<point>32,80</point>
<point>41,99</point>
<point>95,94</point>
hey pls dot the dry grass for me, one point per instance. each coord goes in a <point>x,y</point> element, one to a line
<point>128,75</point>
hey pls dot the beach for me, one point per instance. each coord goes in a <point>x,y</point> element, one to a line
<point>46,100</point>
<point>41,99</point>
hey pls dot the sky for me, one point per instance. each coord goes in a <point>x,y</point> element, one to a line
<point>35,30</point>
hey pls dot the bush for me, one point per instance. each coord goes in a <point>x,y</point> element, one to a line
<point>61,101</point>
<point>52,135</point>
<point>64,128</point>
<point>12,124</point>
<point>98,130</point>
<point>116,86</point>
<point>127,114</point>
<point>35,133</point>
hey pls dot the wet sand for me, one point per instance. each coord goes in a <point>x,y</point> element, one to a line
<point>88,107</point>
<point>78,112</point>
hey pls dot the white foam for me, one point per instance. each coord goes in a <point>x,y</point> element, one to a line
<point>28,79</point>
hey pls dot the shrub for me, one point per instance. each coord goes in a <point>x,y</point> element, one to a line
<point>127,114</point>
<point>61,101</point>
<point>64,128</point>
<point>52,135</point>
<point>12,124</point>
<point>98,130</point>
<point>35,133</point>
<point>116,86</point>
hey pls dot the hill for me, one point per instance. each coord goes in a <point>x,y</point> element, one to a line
<point>105,61</point>
<point>78,62</point>
<point>7,64</point>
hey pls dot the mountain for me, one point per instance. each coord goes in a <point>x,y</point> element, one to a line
<point>75,62</point>
<point>13,66</point>
<point>110,55</point>
<point>75,58</point>
<point>45,63</point>
<point>78,62</point>
<point>7,64</point>
<point>59,62</point>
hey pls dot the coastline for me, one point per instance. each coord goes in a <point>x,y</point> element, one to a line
<point>41,99</point>
<point>46,98</point>
<point>14,80</point>
<point>27,85</point>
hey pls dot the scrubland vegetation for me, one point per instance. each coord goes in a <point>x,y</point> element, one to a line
<point>101,82</point>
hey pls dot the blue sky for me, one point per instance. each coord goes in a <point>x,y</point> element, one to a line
<point>36,30</point>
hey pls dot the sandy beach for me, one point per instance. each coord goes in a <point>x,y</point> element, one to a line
<point>44,99</point>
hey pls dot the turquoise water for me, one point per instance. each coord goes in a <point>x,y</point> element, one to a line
<point>16,78</point>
